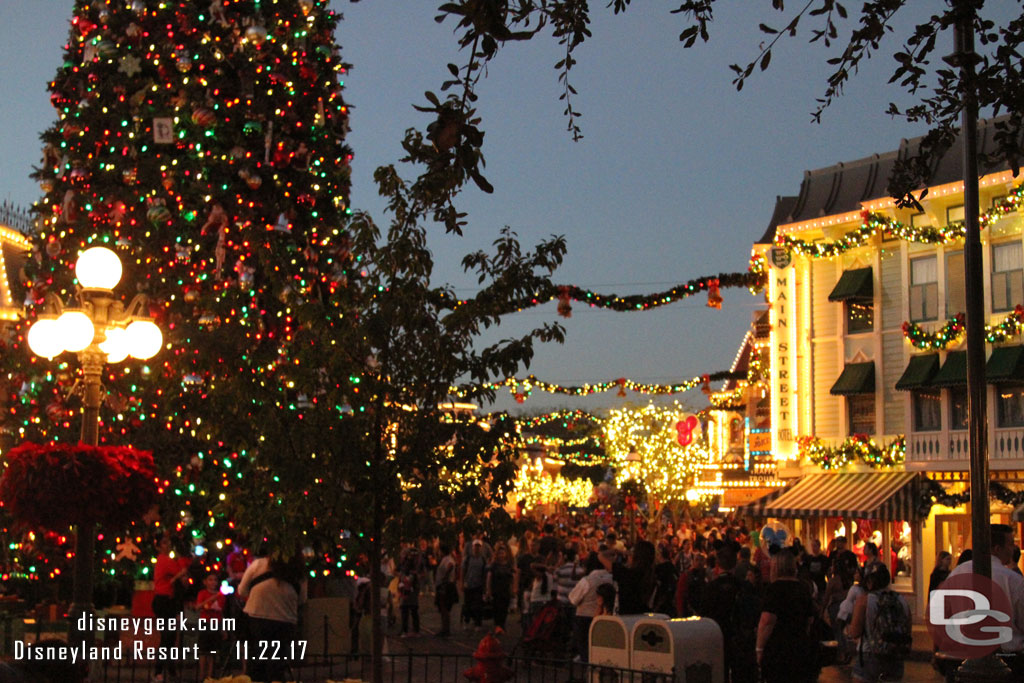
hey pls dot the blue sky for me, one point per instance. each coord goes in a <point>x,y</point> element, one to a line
<point>677,173</point>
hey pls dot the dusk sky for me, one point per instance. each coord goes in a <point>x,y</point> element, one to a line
<point>676,176</point>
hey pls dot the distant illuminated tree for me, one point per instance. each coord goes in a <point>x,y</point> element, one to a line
<point>669,447</point>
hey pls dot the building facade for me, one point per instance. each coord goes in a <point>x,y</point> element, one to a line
<point>868,372</point>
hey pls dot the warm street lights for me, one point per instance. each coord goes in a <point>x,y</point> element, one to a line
<point>100,330</point>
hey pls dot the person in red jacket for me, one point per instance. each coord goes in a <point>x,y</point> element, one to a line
<point>210,602</point>
<point>169,580</point>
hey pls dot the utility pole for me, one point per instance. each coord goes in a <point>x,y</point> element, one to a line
<point>988,668</point>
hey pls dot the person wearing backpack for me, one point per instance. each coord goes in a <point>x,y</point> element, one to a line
<point>881,619</point>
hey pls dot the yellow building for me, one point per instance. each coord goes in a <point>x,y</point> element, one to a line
<point>739,426</point>
<point>868,380</point>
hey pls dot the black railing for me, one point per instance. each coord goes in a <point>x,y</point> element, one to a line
<point>15,217</point>
<point>403,668</point>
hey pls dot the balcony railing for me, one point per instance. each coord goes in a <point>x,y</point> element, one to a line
<point>950,445</point>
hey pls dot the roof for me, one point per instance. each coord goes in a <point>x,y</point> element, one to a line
<point>841,188</point>
<point>741,364</point>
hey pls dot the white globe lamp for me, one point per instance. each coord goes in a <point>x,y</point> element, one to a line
<point>115,345</point>
<point>144,339</point>
<point>75,330</point>
<point>44,338</point>
<point>98,268</point>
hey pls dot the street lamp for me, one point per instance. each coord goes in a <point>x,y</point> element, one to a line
<point>99,328</point>
<point>633,461</point>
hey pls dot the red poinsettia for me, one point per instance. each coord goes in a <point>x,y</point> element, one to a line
<point>54,485</point>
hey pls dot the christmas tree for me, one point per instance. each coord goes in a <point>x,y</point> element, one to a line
<point>205,144</point>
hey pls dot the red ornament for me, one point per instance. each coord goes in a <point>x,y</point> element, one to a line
<point>714,295</point>
<point>564,306</point>
<point>204,118</point>
<point>520,398</point>
<point>622,386</point>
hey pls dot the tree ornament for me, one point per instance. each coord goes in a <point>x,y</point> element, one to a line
<point>53,247</point>
<point>254,181</point>
<point>133,32</point>
<point>56,412</point>
<point>70,130</point>
<point>78,176</point>
<point>130,66</point>
<point>307,6</point>
<point>184,64</point>
<point>191,296</point>
<point>158,214</point>
<point>204,117</point>
<point>714,295</point>
<point>252,129</point>
<point>46,185</point>
<point>106,49</point>
<point>126,550</point>
<point>130,175</point>
<point>256,35</point>
<point>217,13</point>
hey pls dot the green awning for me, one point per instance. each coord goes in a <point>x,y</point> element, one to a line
<point>953,372</point>
<point>857,378</point>
<point>854,284</point>
<point>919,372</point>
<point>1004,365</point>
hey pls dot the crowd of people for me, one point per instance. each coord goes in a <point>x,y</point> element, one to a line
<point>784,608</point>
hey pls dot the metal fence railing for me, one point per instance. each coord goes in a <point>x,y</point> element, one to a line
<point>405,668</point>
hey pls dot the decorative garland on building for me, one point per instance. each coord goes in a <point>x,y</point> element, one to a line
<point>632,302</point>
<point>522,388</point>
<point>858,446</point>
<point>874,223</point>
<point>950,333</point>
<point>933,493</point>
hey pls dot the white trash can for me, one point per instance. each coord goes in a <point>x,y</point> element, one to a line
<point>610,641</point>
<point>692,647</point>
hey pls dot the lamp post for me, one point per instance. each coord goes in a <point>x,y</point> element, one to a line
<point>100,330</point>
<point>633,460</point>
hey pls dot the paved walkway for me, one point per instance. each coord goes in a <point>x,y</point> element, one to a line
<point>465,638</point>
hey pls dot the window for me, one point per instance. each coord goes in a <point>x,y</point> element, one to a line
<point>736,433</point>
<point>1007,275</point>
<point>958,408</point>
<point>956,291</point>
<point>920,220</point>
<point>927,410</point>
<point>924,289</point>
<point>860,316</point>
<point>955,214</point>
<point>862,413</point>
<point>1010,398</point>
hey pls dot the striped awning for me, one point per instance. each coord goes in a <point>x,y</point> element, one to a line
<point>870,495</point>
<point>756,508</point>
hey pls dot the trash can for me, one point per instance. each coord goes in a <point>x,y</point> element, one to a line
<point>691,647</point>
<point>610,641</point>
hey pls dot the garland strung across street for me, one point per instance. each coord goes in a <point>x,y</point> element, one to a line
<point>874,223</point>
<point>953,331</point>
<point>568,418</point>
<point>857,447</point>
<point>566,294</point>
<point>522,388</point>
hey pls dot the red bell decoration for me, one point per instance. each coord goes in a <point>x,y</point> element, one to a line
<point>714,295</point>
<point>706,388</point>
<point>622,386</point>
<point>520,398</point>
<point>564,306</point>
<point>489,668</point>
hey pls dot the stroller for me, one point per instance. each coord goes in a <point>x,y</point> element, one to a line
<point>547,633</point>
